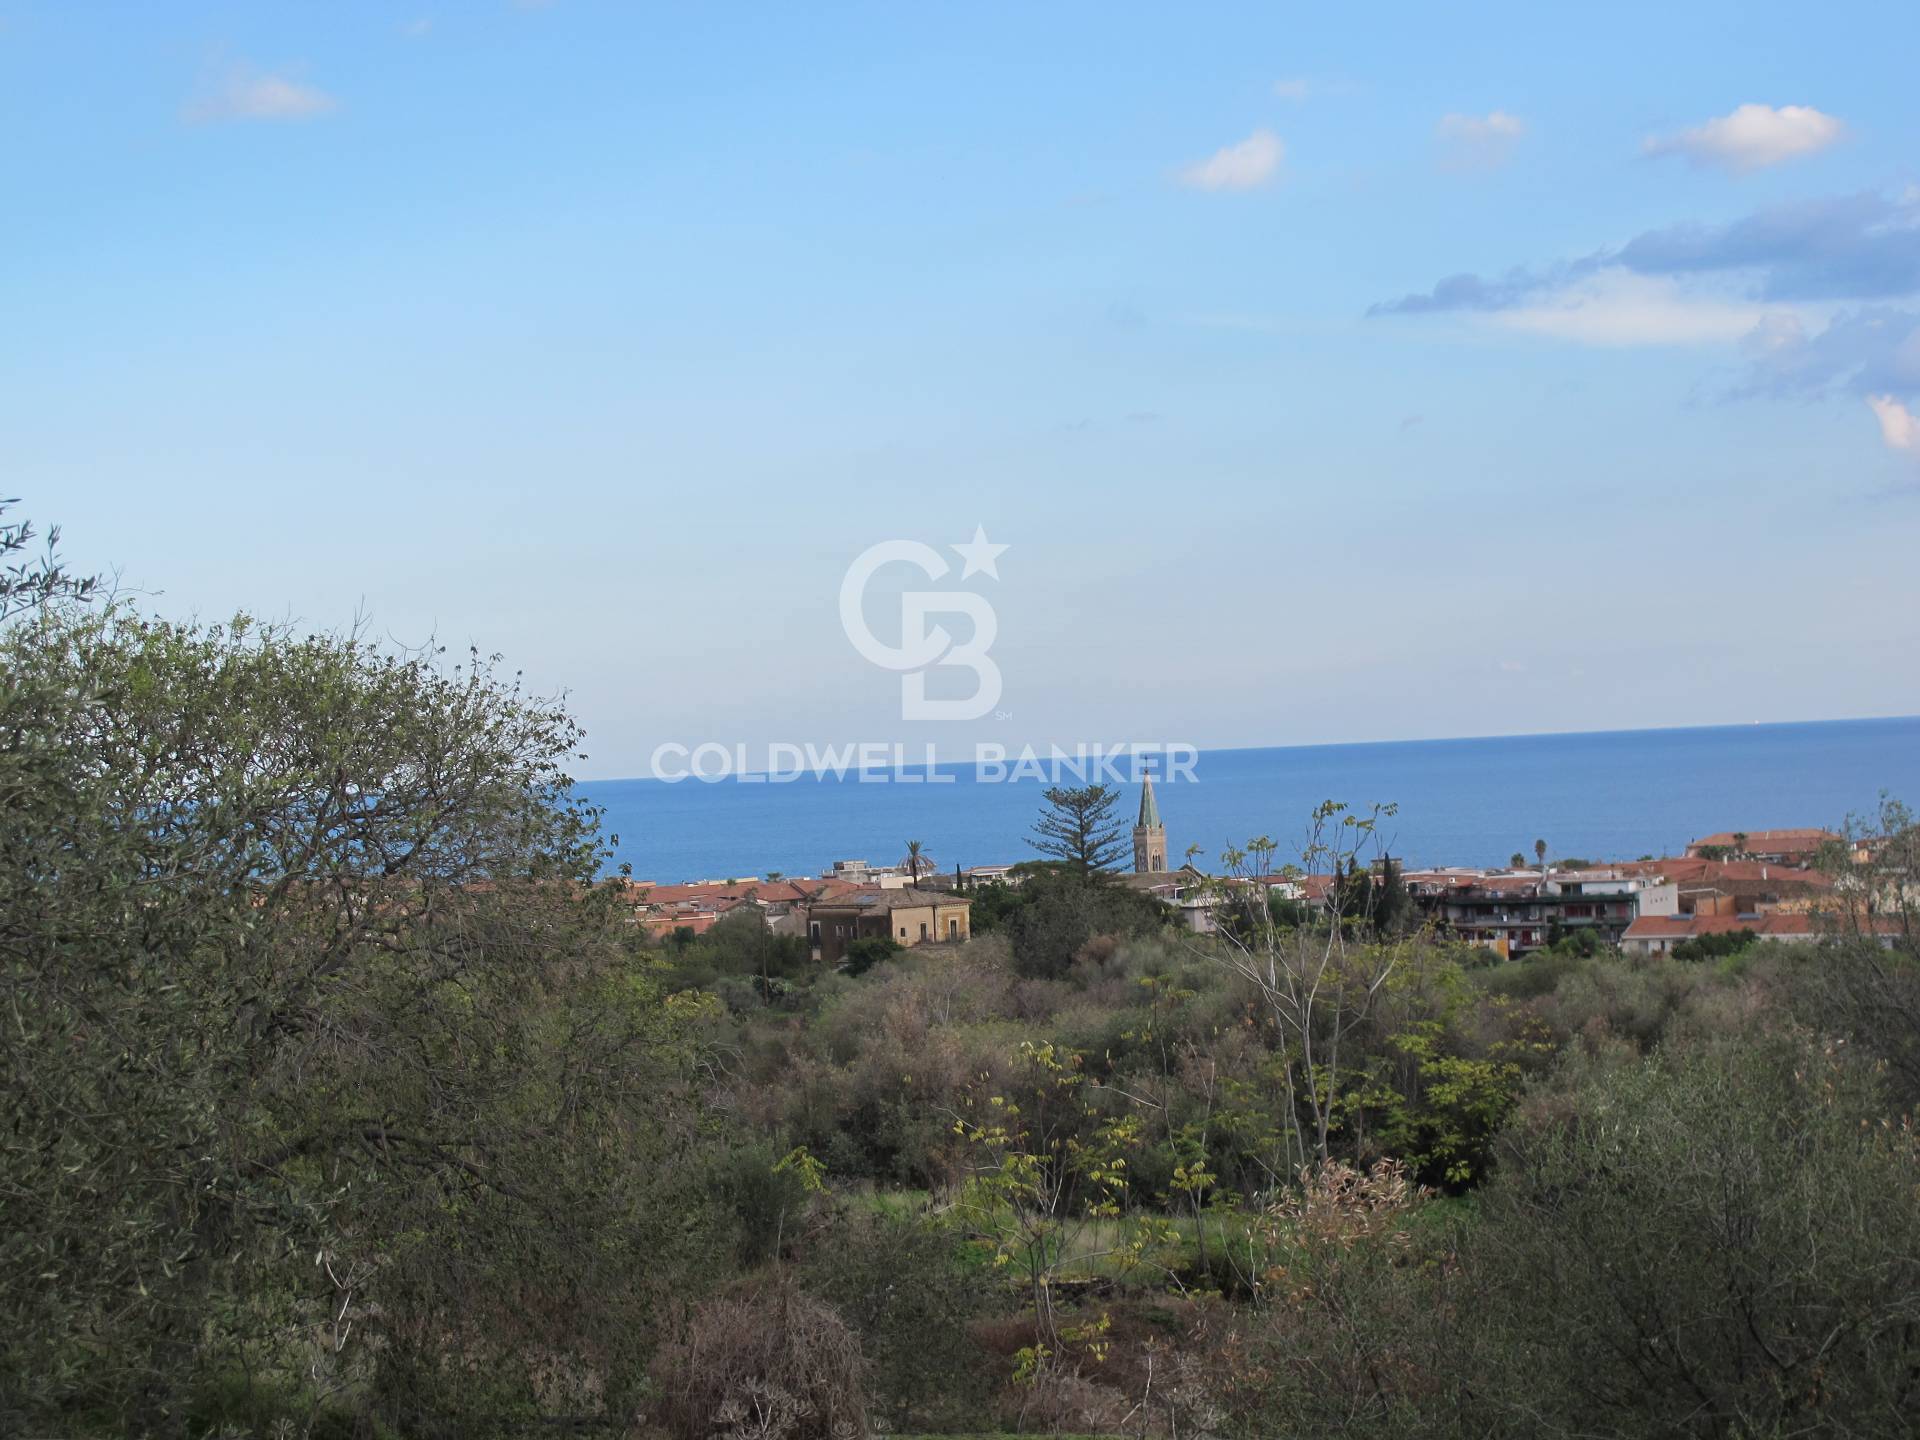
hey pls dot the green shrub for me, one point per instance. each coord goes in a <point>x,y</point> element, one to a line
<point>863,955</point>
<point>911,1289</point>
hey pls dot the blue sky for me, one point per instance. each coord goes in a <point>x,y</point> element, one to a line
<point>1329,376</point>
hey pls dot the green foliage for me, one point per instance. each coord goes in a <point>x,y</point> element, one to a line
<point>1058,914</point>
<point>1583,942</point>
<point>864,954</point>
<point>1714,947</point>
<point>1725,1232</point>
<point>26,583</point>
<point>1439,1109</point>
<point>993,902</point>
<point>767,1197</point>
<point>739,947</point>
<point>1078,829</point>
<point>325,1065</point>
<point>904,1284</point>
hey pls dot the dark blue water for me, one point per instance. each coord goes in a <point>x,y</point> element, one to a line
<point>1608,795</point>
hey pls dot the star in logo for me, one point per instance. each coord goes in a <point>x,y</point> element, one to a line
<point>980,554</point>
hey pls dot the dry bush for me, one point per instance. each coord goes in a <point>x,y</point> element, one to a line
<point>763,1364</point>
<point>1339,1205</point>
<point>1063,1402</point>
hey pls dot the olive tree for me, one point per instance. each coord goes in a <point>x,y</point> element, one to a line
<point>329,1074</point>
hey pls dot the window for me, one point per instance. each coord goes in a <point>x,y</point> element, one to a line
<point>903,932</point>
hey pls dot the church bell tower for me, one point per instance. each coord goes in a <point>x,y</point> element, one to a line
<point>1149,835</point>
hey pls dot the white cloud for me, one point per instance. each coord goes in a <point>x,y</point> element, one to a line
<point>244,93</point>
<point>1899,426</point>
<point>1295,88</point>
<point>417,28</point>
<point>1752,137</point>
<point>1246,165</point>
<point>1619,308</point>
<point>1478,142</point>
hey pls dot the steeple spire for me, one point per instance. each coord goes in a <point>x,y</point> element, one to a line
<point>1149,836</point>
<point>1149,811</point>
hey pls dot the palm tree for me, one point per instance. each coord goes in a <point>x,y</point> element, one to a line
<point>1519,861</point>
<point>913,862</point>
<point>1739,844</point>
<point>1540,854</point>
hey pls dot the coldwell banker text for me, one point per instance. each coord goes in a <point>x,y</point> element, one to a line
<point>891,763</point>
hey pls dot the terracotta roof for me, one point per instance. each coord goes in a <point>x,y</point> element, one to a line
<point>667,924</point>
<point>879,900</point>
<point>767,892</point>
<point>1773,922</point>
<point>1690,870</point>
<point>1800,838</point>
<point>1684,927</point>
<point>1519,882</point>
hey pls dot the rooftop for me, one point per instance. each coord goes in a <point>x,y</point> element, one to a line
<point>876,900</point>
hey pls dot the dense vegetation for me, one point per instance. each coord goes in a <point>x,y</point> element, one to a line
<point>341,1100</point>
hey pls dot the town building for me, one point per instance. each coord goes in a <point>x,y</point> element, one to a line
<point>781,905</point>
<point>1778,847</point>
<point>1511,912</point>
<point>909,916</point>
<point>990,875</point>
<point>1658,934</point>
<point>1194,897</point>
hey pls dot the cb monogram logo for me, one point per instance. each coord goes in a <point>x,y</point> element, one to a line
<point>924,645</point>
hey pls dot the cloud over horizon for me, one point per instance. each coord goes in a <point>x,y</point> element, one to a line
<point>1245,165</point>
<point>1817,294</point>
<point>244,93</point>
<point>1751,137</point>
<point>1850,247</point>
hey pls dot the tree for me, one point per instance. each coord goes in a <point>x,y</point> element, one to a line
<point>1540,854</point>
<point>1517,860</point>
<point>1868,981</point>
<point>330,1077</point>
<point>1317,986</point>
<point>1723,1232</point>
<point>1391,908</point>
<point>26,583</point>
<point>1050,919</point>
<point>914,849</point>
<point>1079,830</point>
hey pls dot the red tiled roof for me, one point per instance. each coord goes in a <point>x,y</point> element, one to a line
<point>1692,870</point>
<point>1805,838</point>
<point>1684,927</point>
<point>1774,922</point>
<point>880,898</point>
<point>767,892</point>
<point>667,924</point>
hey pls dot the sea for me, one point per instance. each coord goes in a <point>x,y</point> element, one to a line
<point>1615,794</point>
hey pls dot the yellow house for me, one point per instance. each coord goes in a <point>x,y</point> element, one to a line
<point>908,916</point>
